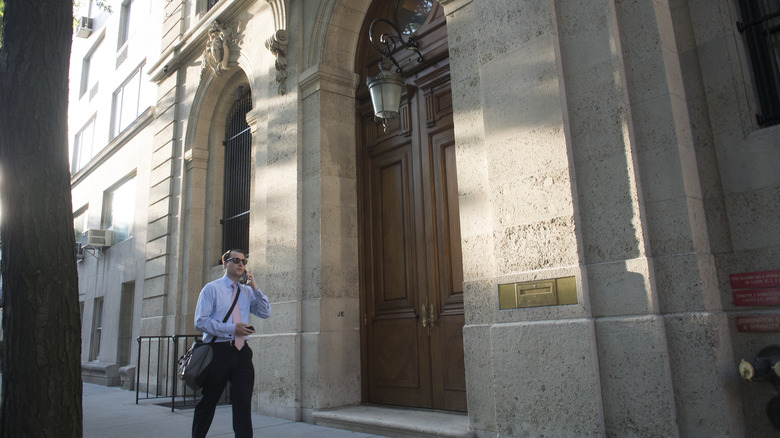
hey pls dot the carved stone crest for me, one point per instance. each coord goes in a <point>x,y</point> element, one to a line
<point>223,42</point>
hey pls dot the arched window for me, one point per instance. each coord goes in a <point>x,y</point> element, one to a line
<point>238,160</point>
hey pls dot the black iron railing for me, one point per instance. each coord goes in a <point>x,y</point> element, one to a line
<point>158,363</point>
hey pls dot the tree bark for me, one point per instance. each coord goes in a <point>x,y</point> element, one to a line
<point>41,393</point>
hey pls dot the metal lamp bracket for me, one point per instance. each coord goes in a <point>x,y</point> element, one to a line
<point>391,42</point>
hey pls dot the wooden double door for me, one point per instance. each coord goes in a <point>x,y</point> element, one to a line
<point>411,261</point>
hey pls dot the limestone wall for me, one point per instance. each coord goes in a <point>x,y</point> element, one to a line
<point>591,142</point>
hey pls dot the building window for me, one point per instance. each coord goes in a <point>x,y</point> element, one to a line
<point>97,329</point>
<point>238,170</point>
<point>131,18</point>
<point>761,26</point>
<point>81,313</point>
<point>83,146</point>
<point>210,4</point>
<point>119,209</point>
<point>129,102</point>
<point>125,340</point>
<point>411,15</point>
<point>90,71</point>
<point>80,222</point>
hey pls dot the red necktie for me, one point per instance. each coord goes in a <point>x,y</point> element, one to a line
<point>239,340</point>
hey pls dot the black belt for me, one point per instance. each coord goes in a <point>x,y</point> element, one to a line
<point>231,343</point>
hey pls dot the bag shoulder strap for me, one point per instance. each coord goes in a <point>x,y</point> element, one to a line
<point>235,300</point>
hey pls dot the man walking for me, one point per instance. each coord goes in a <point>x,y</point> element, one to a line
<point>232,361</point>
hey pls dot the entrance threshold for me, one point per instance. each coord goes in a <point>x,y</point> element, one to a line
<point>396,422</point>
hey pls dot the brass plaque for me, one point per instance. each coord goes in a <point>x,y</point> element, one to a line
<point>507,296</point>
<point>537,293</point>
<point>567,290</point>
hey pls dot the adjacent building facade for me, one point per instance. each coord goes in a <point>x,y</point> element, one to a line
<point>554,237</point>
<point>111,116</point>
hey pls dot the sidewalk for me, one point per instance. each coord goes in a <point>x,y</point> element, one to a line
<point>112,412</point>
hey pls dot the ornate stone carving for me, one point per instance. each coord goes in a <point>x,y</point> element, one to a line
<point>277,44</point>
<point>223,42</point>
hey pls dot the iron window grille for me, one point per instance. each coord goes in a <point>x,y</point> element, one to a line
<point>761,26</point>
<point>238,160</point>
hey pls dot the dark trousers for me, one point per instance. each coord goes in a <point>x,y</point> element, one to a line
<point>234,366</point>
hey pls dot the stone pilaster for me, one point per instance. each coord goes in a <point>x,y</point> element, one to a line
<point>330,302</point>
<point>162,204</point>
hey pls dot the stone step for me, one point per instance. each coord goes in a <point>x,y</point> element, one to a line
<point>396,422</point>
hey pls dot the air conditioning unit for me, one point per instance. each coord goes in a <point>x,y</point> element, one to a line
<point>97,238</point>
<point>84,28</point>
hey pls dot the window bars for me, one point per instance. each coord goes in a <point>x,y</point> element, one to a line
<point>238,170</point>
<point>761,26</point>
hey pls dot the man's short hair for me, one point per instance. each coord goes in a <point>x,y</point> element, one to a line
<point>226,255</point>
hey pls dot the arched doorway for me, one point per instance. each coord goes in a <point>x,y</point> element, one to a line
<point>410,251</point>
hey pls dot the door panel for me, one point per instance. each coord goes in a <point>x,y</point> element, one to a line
<point>393,232</point>
<point>398,359</point>
<point>448,375</point>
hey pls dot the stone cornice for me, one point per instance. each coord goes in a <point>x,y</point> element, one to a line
<point>196,158</point>
<point>192,43</point>
<point>253,118</point>
<point>329,78</point>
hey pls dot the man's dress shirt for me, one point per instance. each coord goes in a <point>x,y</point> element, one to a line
<point>214,302</point>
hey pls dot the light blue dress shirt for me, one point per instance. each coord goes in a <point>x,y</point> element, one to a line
<point>214,302</point>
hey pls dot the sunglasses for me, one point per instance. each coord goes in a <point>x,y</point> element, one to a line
<point>236,260</point>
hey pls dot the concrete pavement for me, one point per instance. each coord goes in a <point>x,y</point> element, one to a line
<point>112,412</point>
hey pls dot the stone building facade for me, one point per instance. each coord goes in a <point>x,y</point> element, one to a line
<point>543,240</point>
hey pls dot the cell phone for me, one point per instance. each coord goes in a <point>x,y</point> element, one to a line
<point>243,278</point>
<point>250,327</point>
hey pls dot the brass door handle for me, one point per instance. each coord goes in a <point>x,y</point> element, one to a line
<point>424,315</point>
<point>431,315</point>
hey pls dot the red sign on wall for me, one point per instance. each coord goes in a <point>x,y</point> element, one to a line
<point>758,323</point>
<point>746,280</point>
<point>757,297</point>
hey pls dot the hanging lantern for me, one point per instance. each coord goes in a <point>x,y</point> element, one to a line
<point>386,87</point>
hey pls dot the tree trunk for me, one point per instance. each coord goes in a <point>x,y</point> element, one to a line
<point>41,393</point>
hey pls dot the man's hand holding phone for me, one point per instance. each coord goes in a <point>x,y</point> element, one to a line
<point>249,280</point>
<point>244,329</point>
